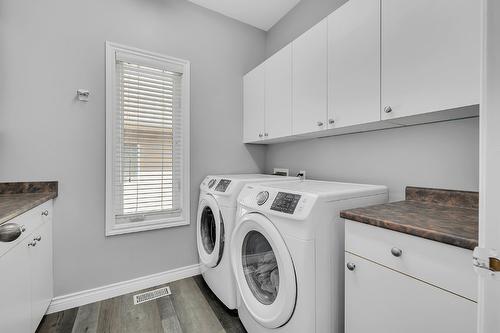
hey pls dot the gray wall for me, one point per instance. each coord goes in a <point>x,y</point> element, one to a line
<point>302,17</point>
<point>51,48</point>
<point>444,155</point>
<point>437,155</point>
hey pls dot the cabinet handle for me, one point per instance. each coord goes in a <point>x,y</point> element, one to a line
<point>45,213</point>
<point>32,243</point>
<point>320,123</point>
<point>387,109</point>
<point>39,238</point>
<point>351,266</point>
<point>396,252</point>
<point>331,121</point>
<point>260,135</point>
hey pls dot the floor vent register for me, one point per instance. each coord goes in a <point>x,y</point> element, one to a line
<point>151,295</point>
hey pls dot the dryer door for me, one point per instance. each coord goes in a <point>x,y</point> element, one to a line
<point>264,270</point>
<point>210,231</point>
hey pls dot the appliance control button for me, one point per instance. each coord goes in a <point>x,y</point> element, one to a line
<point>211,183</point>
<point>262,197</point>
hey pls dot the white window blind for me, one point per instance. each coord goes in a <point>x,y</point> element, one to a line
<point>147,136</point>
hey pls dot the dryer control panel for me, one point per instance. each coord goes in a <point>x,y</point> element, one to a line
<point>285,202</point>
<point>222,185</point>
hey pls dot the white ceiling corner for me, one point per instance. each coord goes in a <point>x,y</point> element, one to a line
<point>262,14</point>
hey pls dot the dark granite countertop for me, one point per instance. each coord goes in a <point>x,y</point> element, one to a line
<point>444,216</point>
<point>18,198</point>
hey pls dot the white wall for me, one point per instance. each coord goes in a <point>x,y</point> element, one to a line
<point>436,155</point>
<point>51,48</point>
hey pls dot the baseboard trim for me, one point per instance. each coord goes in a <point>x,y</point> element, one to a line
<point>80,298</point>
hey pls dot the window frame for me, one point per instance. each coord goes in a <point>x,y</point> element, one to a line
<point>113,228</point>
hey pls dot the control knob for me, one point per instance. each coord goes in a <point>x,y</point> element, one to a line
<point>262,197</point>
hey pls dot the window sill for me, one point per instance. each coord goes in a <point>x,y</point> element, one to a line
<point>126,228</point>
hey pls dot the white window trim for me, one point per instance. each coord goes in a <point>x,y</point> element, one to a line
<point>111,227</point>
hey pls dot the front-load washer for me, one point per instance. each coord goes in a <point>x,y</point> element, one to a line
<point>287,253</point>
<point>215,221</point>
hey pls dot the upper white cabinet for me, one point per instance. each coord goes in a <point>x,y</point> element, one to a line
<point>371,64</point>
<point>278,94</point>
<point>309,68</point>
<point>354,64</point>
<point>253,104</point>
<point>430,55</point>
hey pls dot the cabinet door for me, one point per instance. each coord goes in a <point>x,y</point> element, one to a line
<point>309,68</point>
<point>380,300</point>
<point>279,94</point>
<point>41,273</point>
<point>15,291</point>
<point>430,55</point>
<point>253,104</point>
<point>354,64</point>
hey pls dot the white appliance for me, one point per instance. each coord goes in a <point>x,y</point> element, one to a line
<point>215,221</point>
<point>287,253</point>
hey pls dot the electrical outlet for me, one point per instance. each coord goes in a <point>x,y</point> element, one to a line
<point>281,171</point>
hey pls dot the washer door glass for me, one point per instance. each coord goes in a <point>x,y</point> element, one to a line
<point>208,229</point>
<point>260,267</point>
<point>264,270</point>
<point>210,232</point>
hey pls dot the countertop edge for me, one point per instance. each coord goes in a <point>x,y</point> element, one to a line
<point>28,206</point>
<point>465,243</point>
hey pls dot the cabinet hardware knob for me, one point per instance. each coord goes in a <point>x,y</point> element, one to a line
<point>266,134</point>
<point>260,135</point>
<point>331,121</point>
<point>396,252</point>
<point>32,243</point>
<point>387,109</point>
<point>320,123</point>
<point>45,213</point>
<point>39,238</point>
<point>351,266</point>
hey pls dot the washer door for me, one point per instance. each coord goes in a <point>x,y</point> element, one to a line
<point>264,270</point>
<point>210,232</point>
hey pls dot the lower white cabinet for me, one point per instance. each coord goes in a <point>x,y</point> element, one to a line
<point>15,282</point>
<point>381,300</point>
<point>26,272</point>
<point>396,282</point>
<point>41,273</point>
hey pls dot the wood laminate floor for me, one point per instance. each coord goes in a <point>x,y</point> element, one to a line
<point>192,307</point>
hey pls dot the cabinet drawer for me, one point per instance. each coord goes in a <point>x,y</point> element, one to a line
<point>31,220</point>
<point>442,265</point>
<point>380,300</point>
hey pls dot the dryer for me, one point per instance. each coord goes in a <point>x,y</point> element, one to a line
<point>215,221</point>
<point>287,253</point>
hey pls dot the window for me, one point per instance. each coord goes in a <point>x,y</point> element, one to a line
<point>147,140</point>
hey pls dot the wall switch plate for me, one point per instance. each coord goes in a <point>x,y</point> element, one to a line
<point>281,171</point>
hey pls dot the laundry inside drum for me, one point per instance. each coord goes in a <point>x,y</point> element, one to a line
<point>260,267</point>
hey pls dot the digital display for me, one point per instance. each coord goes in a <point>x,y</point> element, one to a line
<point>223,184</point>
<point>285,202</point>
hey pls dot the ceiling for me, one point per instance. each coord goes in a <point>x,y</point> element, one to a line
<point>262,14</point>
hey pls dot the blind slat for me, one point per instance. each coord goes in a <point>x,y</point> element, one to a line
<point>148,145</point>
